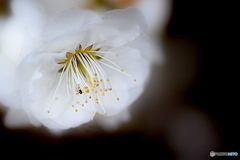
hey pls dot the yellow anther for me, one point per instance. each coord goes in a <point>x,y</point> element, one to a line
<point>79,48</point>
<point>95,113</point>
<point>72,105</point>
<point>69,55</point>
<point>122,70</point>
<point>105,113</point>
<point>82,105</point>
<point>76,110</point>
<point>48,111</point>
<point>117,99</point>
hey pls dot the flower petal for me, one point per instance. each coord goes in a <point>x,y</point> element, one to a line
<point>134,65</point>
<point>29,15</point>
<point>69,22</point>
<point>16,118</point>
<point>39,95</point>
<point>129,15</point>
<point>8,93</point>
<point>112,106</point>
<point>112,34</point>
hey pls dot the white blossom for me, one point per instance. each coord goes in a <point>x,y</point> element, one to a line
<point>73,65</point>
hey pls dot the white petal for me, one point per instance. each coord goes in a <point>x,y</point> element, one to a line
<point>29,15</point>
<point>112,34</point>
<point>69,22</point>
<point>112,106</point>
<point>16,118</point>
<point>65,44</point>
<point>12,39</point>
<point>39,95</point>
<point>130,15</point>
<point>156,12</point>
<point>8,91</point>
<point>133,64</point>
<point>113,122</point>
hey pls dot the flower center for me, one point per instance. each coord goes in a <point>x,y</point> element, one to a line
<point>86,79</point>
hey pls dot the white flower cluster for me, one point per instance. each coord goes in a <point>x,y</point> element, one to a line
<point>61,70</point>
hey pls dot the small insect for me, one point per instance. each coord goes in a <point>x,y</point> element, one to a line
<point>80,91</point>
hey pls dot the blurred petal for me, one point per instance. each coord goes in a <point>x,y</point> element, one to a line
<point>16,118</point>
<point>29,15</point>
<point>130,15</point>
<point>69,22</point>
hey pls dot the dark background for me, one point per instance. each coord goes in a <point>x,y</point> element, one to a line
<point>209,26</point>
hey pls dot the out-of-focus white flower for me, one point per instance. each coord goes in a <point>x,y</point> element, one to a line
<point>18,36</point>
<point>74,65</point>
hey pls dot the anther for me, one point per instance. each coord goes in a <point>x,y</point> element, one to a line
<point>69,55</point>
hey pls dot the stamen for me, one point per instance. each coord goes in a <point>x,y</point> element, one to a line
<point>86,80</point>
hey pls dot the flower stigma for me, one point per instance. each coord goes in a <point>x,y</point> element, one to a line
<point>86,80</point>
